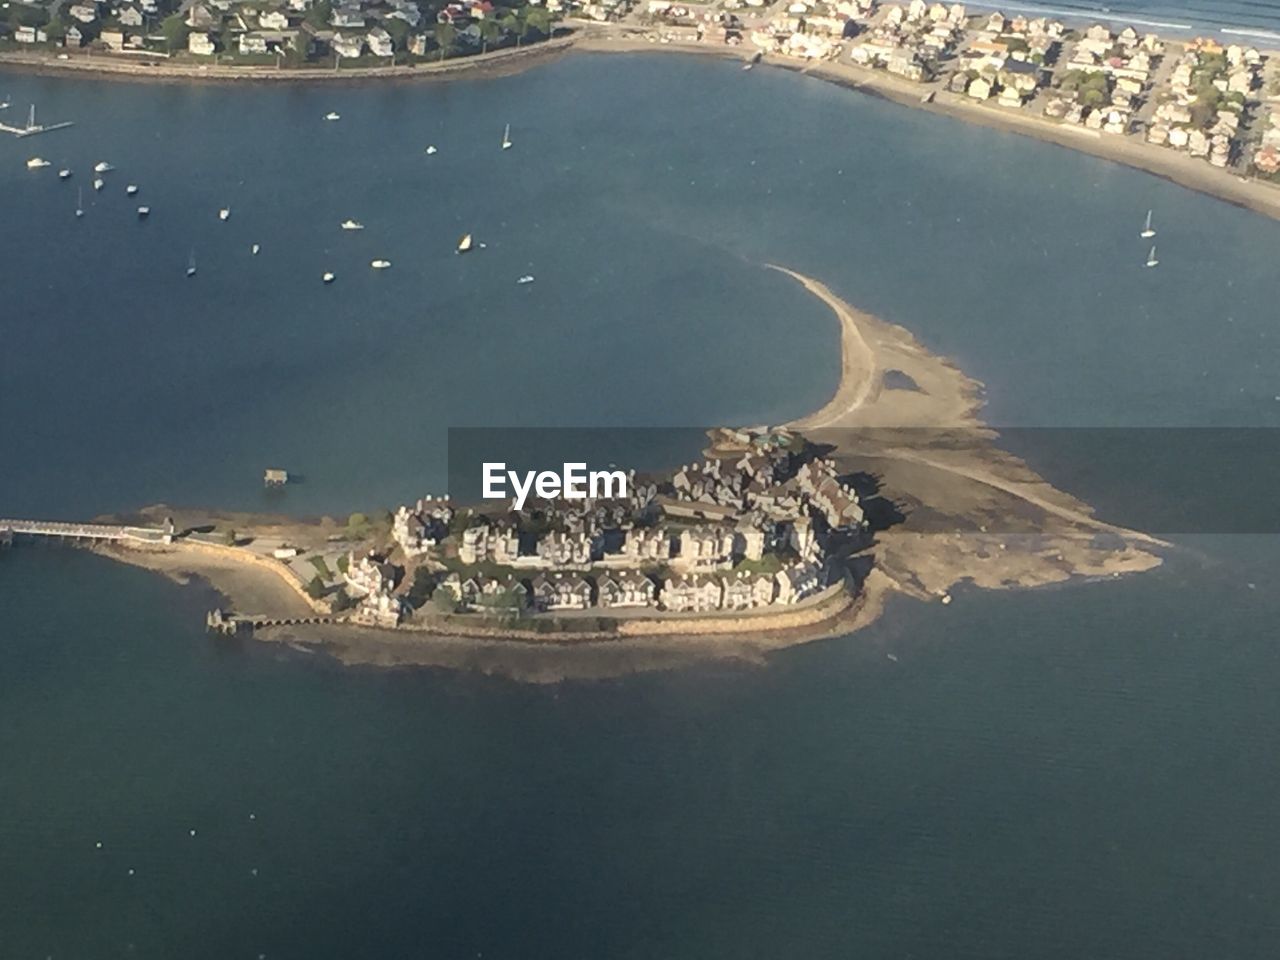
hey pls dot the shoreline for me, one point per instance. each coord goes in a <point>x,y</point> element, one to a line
<point>1251,194</point>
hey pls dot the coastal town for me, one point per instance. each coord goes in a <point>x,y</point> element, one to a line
<point>762,526</point>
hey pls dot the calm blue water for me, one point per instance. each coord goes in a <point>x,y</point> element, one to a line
<point>1083,771</point>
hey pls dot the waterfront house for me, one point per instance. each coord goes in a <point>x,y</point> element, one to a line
<point>200,43</point>
<point>112,38</point>
<point>418,44</point>
<point>647,543</point>
<point>252,43</point>
<point>492,594</point>
<point>83,12</point>
<point>200,17</point>
<point>348,46</point>
<point>742,591</point>
<point>697,593</point>
<point>797,581</point>
<point>706,546</point>
<point>626,589</point>
<point>273,20</point>
<point>347,17</point>
<point>380,43</point>
<point>130,17</point>
<point>369,574</point>
<point>29,35</point>
<point>379,610</point>
<point>73,37</point>
<point>561,591</point>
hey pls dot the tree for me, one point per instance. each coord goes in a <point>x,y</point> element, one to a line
<point>399,31</point>
<point>175,32</point>
<point>316,588</point>
<point>446,35</point>
<point>443,601</point>
<point>538,19</point>
<point>319,14</point>
<point>489,32</point>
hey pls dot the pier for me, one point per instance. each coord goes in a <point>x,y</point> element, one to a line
<point>32,128</point>
<point>12,530</point>
<point>232,624</point>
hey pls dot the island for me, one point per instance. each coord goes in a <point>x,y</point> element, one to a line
<point>776,536</point>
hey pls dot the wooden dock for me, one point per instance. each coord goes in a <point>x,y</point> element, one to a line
<point>32,128</point>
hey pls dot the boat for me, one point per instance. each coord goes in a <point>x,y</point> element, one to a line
<point>224,213</point>
<point>80,202</point>
<point>333,115</point>
<point>35,163</point>
<point>352,225</point>
<point>144,212</point>
<point>527,278</point>
<point>327,277</point>
<point>380,264</point>
<point>64,174</point>
<point>927,98</point>
<point>98,183</point>
<point>1147,231</point>
<point>506,137</point>
<point>464,244</point>
<point>131,189</point>
<point>191,264</point>
<point>1151,258</point>
<point>254,249</point>
<point>431,149</point>
<point>102,167</point>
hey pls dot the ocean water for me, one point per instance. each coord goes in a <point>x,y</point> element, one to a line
<point>1079,771</point>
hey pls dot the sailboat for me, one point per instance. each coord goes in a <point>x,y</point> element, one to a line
<point>431,149</point>
<point>98,183</point>
<point>64,173</point>
<point>1151,257</point>
<point>36,163</point>
<point>131,189</point>
<point>224,213</point>
<point>506,137</point>
<point>254,249</point>
<point>80,202</point>
<point>380,264</point>
<point>352,225</point>
<point>1147,231</point>
<point>327,276</point>
<point>191,264</point>
<point>144,212</point>
<point>333,115</point>
<point>464,244</point>
<point>102,167</point>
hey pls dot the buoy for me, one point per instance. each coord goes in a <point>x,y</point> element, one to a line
<point>131,871</point>
<point>98,844</point>
<point>253,816</point>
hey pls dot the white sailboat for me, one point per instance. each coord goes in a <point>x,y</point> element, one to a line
<point>102,167</point>
<point>431,149</point>
<point>224,213</point>
<point>254,249</point>
<point>352,225</point>
<point>1147,230</point>
<point>380,264</point>
<point>333,115</point>
<point>191,264</point>
<point>35,163</point>
<point>64,174</point>
<point>464,244</point>
<point>327,276</point>
<point>506,137</point>
<point>144,212</point>
<point>80,202</point>
<point>1151,258</point>
<point>131,189</point>
<point>527,278</point>
<point>98,183</point>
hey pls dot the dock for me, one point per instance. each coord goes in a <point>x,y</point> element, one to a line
<point>32,128</point>
<point>12,530</point>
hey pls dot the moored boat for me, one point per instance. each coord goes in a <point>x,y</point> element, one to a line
<point>352,225</point>
<point>64,174</point>
<point>102,167</point>
<point>131,189</point>
<point>1151,258</point>
<point>1148,230</point>
<point>144,212</point>
<point>465,243</point>
<point>380,264</point>
<point>35,163</point>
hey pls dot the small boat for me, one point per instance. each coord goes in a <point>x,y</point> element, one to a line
<point>102,167</point>
<point>333,115</point>
<point>431,149</point>
<point>254,249</point>
<point>80,202</point>
<point>64,174</point>
<point>506,137</point>
<point>98,183</point>
<point>327,277</point>
<point>352,225</point>
<point>224,213</point>
<point>1147,231</point>
<point>191,264</point>
<point>144,212</point>
<point>527,278</point>
<point>380,264</point>
<point>927,98</point>
<point>35,163</point>
<point>1151,258</point>
<point>464,244</point>
<point>131,189</point>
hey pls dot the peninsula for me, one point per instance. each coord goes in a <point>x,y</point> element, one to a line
<point>777,536</point>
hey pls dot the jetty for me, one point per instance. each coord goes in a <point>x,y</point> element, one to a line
<point>232,624</point>
<point>32,128</point>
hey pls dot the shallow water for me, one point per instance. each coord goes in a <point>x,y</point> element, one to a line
<point>1081,771</point>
